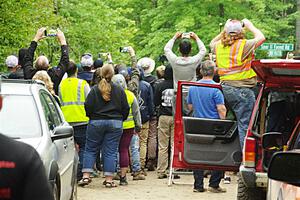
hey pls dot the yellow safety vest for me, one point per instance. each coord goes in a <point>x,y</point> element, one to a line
<point>230,64</point>
<point>129,122</point>
<point>71,94</point>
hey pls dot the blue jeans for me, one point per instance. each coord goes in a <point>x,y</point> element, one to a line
<point>104,135</point>
<point>80,139</point>
<point>241,101</point>
<point>135,153</point>
<point>214,180</point>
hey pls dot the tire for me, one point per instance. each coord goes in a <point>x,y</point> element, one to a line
<point>246,193</point>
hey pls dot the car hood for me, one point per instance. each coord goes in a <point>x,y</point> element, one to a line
<point>34,142</point>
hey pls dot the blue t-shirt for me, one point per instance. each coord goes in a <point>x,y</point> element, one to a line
<point>205,100</point>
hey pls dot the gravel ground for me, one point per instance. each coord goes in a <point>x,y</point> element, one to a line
<point>154,189</point>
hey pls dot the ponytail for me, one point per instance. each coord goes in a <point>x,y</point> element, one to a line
<point>105,82</point>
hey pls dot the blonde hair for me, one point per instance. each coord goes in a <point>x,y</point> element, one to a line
<point>107,72</point>
<point>160,71</point>
<point>229,39</point>
<point>43,76</point>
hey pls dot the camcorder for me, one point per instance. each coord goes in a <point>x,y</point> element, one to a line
<point>186,35</point>
<point>124,49</point>
<point>50,33</point>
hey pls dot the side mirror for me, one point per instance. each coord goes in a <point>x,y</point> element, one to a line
<point>272,141</point>
<point>61,132</point>
<point>284,167</point>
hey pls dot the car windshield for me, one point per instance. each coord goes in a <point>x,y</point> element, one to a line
<point>19,117</point>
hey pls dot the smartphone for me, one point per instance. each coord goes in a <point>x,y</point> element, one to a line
<point>45,32</point>
<point>124,49</point>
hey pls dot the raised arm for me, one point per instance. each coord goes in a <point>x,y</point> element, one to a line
<point>28,68</point>
<point>214,41</point>
<point>168,48</point>
<point>202,50</point>
<point>133,84</point>
<point>64,59</point>
<point>258,35</point>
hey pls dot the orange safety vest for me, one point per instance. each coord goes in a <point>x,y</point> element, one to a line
<point>230,63</point>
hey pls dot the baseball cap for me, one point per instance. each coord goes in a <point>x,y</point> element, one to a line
<point>86,60</point>
<point>233,27</point>
<point>11,61</point>
<point>98,63</point>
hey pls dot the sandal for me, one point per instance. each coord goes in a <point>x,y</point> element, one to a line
<point>110,184</point>
<point>84,181</point>
<point>104,182</point>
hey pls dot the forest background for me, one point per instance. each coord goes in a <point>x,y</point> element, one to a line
<point>96,26</point>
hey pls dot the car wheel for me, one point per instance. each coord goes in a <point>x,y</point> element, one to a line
<point>55,191</point>
<point>246,193</point>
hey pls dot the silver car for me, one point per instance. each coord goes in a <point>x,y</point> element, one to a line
<point>30,114</point>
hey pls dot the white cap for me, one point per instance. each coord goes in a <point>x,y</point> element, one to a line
<point>233,27</point>
<point>86,60</point>
<point>11,61</point>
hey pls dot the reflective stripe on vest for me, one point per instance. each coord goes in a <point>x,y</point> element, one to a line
<point>230,63</point>
<point>71,93</point>
<point>129,122</point>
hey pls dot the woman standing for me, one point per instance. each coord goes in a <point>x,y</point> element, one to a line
<point>131,125</point>
<point>107,108</point>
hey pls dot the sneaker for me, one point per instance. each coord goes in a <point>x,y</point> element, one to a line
<point>138,176</point>
<point>216,190</point>
<point>162,176</point>
<point>199,190</point>
<point>123,181</point>
<point>227,179</point>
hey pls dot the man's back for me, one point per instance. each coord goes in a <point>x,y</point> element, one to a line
<point>205,100</point>
<point>184,67</point>
<point>22,174</point>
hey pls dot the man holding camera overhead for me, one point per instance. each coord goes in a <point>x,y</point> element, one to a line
<point>42,62</point>
<point>184,66</point>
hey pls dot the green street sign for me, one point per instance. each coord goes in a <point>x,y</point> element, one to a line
<point>274,53</point>
<point>277,46</point>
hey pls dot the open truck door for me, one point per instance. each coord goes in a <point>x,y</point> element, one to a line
<point>203,143</point>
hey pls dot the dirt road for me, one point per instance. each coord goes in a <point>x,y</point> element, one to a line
<point>154,189</point>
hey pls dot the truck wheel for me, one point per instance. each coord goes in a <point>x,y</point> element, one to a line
<point>245,193</point>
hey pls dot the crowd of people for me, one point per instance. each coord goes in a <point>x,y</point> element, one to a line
<point>123,116</point>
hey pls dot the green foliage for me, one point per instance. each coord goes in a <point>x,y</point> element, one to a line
<point>103,26</point>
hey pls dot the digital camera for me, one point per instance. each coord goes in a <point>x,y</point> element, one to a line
<point>124,49</point>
